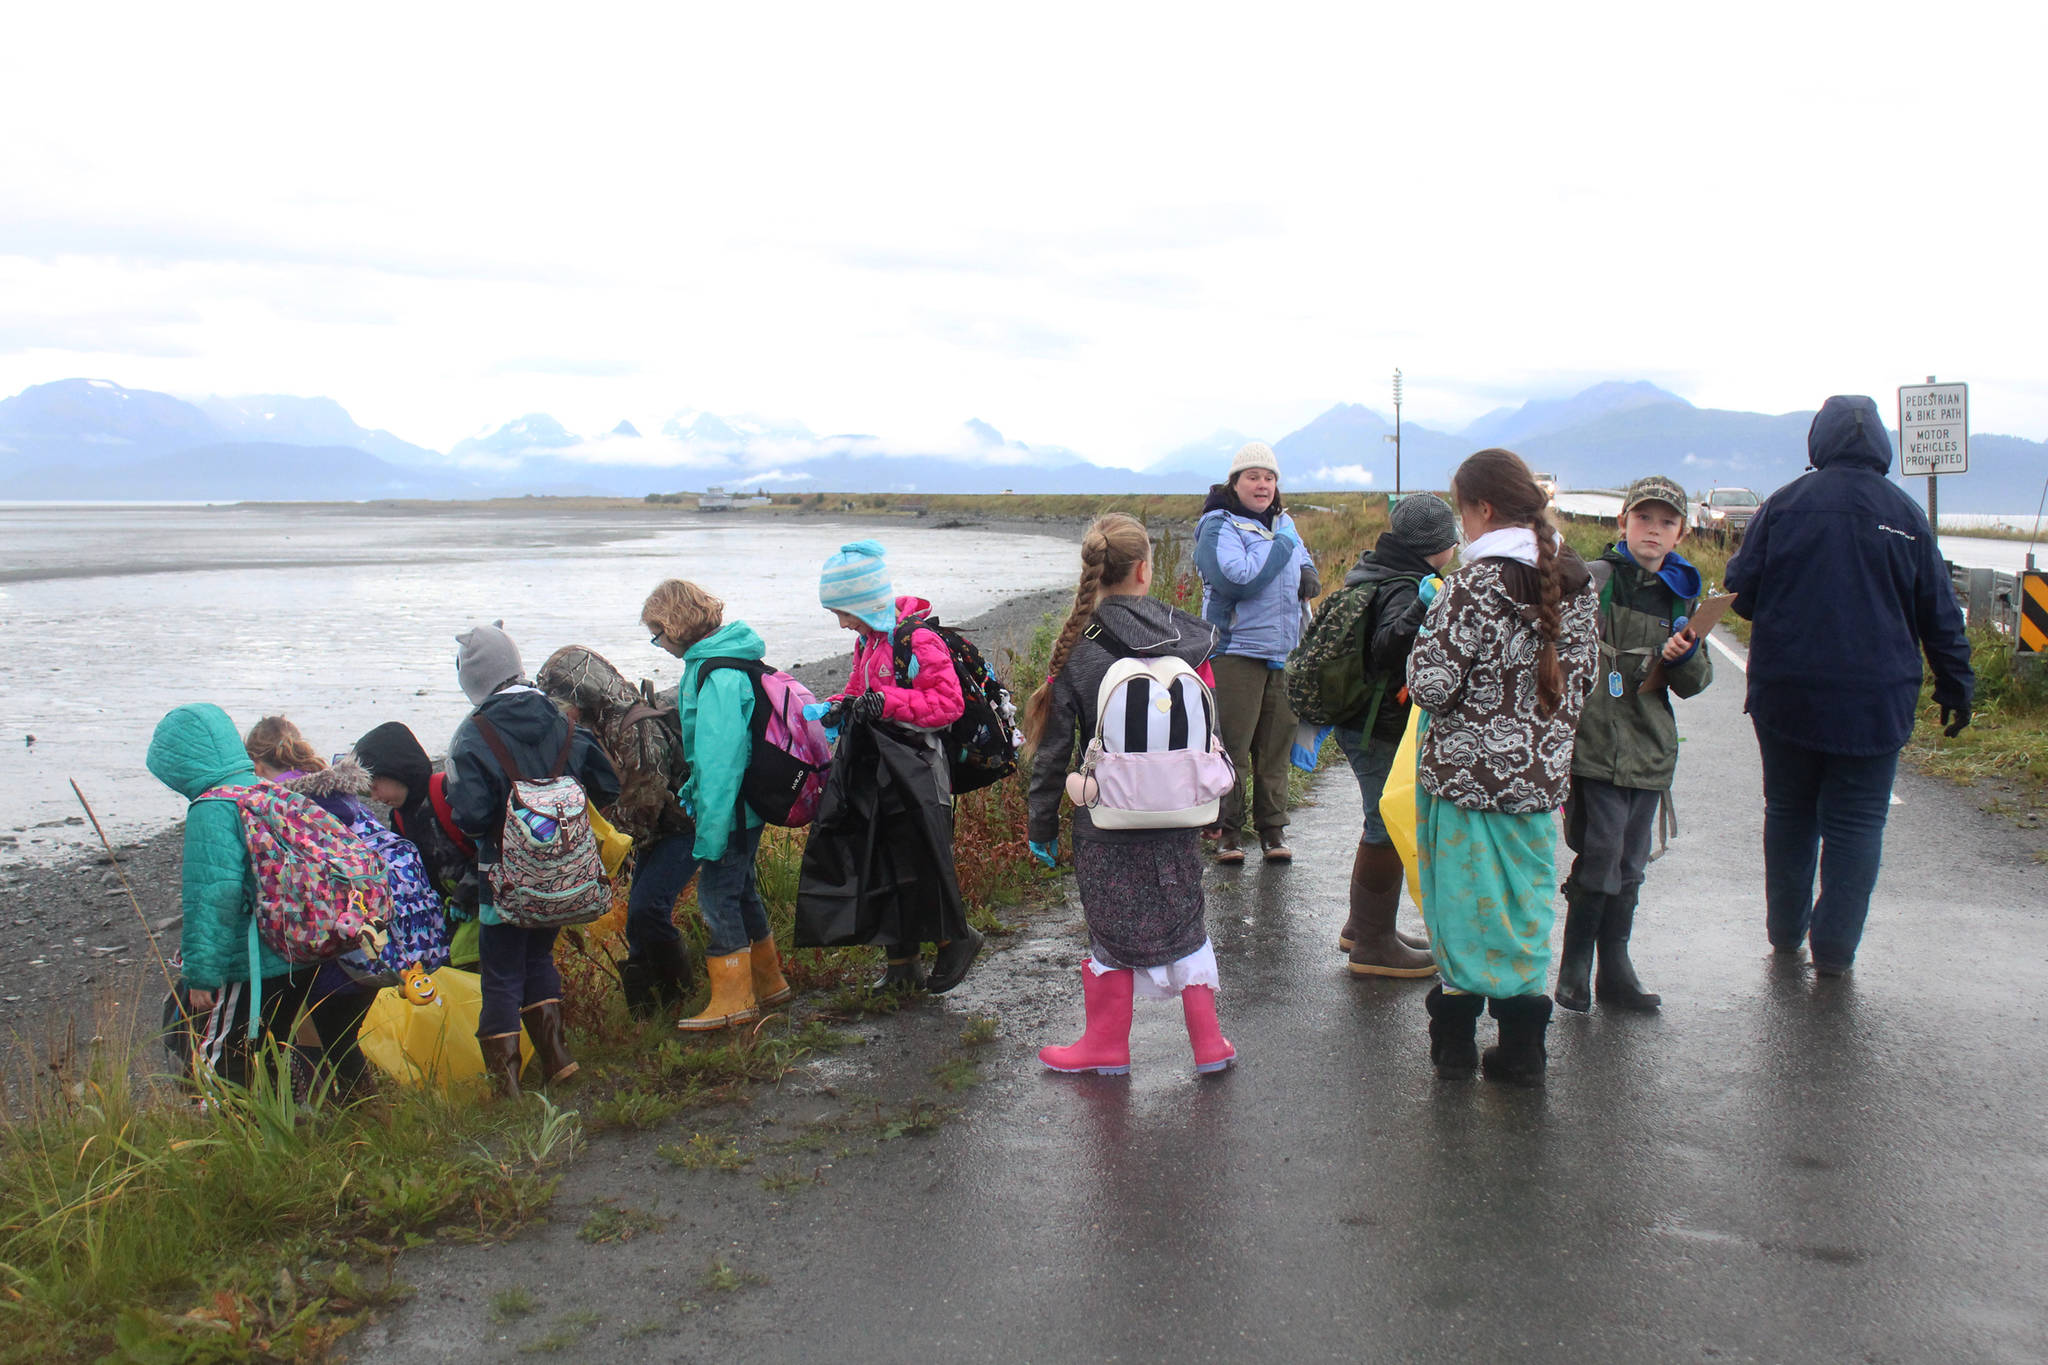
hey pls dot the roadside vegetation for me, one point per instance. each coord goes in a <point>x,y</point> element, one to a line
<point>136,1226</point>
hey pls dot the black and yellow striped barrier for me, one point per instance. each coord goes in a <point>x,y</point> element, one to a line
<point>2033,633</point>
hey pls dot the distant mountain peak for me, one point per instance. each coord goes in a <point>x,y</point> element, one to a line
<point>982,433</point>
<point>626,428</point>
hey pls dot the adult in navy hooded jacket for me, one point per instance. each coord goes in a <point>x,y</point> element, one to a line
<point>1846,586</point>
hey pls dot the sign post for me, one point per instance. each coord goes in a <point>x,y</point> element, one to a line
<point>1934,435</point>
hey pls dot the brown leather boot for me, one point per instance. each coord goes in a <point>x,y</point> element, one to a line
<point>501,1063</point>
<point>544,1025</point>
<point>1380,863</point>
<point>1375,949</point>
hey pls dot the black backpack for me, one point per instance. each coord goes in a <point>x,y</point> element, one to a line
<point>982,745</point>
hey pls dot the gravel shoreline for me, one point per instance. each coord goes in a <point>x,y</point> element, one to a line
<point>81,955</point>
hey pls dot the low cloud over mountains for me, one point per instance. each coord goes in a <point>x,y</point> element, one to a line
<point>91,439</point>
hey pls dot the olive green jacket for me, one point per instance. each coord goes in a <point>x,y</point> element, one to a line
<point>1632,740</point>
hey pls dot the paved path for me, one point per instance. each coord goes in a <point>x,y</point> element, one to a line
<point>1772,1169</point>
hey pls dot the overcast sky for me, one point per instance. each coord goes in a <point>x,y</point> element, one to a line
<point>1106,226</point>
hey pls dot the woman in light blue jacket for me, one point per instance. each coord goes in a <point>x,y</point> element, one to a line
<point>1255,576</point>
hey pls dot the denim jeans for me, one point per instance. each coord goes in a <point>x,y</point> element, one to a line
<point>660,872</point>
<point>518,969</point>
<point>1371,760</point>
<point>728,896</point>
<point>1825,810</point>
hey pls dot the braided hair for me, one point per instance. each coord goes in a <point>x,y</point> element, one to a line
<point>1499,478</point>
<point>1115,545</point>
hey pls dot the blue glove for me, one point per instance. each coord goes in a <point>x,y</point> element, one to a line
<point>1428,589</point>
<point>816,710</point>
<point>1308,745</point>
<point>1047,853</point>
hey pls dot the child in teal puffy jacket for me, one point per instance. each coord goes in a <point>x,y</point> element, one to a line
<point>197,748</point>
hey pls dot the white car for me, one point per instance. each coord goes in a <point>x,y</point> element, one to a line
<point>1724,509</point>
<point>1548,483</point>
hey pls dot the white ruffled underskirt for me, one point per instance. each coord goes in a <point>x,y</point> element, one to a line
<point>1166,983</point>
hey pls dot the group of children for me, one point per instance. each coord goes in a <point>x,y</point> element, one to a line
<point>1528,666</point>
<point>666,769</point>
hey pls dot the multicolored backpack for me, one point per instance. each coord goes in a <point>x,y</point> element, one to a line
<point>549,872</point>
<point>419,926</point>
<point>786,767</point>
<point>320,890</point>
<point>982,745</point>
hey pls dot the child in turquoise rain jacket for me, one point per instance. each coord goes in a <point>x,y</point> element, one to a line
<point>716,708</point>
<point>195,749</point>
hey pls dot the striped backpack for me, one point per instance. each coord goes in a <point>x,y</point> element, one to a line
<point>549,872</point>
<point>320,890</point>
<point>1156,761</point>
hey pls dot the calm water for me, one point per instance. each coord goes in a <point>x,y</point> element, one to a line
<point>342,618</point>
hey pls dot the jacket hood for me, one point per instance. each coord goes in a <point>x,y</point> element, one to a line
<point>733,640</point>
<point>1848,431</point>
<point>1155,630</point>
<point>196,747</point>
<point>346,778</point>
<point>391,750</point>
<point>586,680</point>
<point>1678,574</point>
<point>1390,557</point>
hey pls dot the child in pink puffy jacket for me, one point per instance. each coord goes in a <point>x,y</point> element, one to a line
<point>923,697</point>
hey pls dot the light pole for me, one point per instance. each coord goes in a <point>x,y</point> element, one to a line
<point>1397,432</point>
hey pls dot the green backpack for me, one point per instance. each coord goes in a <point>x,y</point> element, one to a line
<point>1329,675</point>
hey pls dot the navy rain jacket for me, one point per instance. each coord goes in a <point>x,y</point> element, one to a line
<point>1841,575</point>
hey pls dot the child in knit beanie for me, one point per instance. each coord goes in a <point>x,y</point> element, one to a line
<point>485,660</point>
<point>903,676</point>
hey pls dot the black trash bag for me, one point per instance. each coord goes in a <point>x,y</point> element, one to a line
<point>878,865</point>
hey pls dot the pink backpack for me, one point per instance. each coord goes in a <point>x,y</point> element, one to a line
<point>786,768</point>
<point>320,890</point>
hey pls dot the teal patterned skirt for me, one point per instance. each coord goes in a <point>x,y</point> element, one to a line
<point>1487,881</point>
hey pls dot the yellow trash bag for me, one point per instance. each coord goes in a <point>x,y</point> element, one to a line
<point>432,1044</point>
<point>612,845</point>
<point>1397,800</point>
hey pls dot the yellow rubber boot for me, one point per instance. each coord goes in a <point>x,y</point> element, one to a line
<point>732,994</point>
<point>769,987</point>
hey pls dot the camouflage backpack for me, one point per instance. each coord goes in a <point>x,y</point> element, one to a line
<point>1329,674</point>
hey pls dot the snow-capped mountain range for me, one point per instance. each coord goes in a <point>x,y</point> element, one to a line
<point>94,439</point>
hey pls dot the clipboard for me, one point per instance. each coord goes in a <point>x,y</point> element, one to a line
<point>1704,618</point>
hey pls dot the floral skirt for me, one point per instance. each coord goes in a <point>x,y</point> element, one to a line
<point>1487,881</point>
<point>1142,898</point>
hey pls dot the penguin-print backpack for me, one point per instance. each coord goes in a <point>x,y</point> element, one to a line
<point>1156,760</point>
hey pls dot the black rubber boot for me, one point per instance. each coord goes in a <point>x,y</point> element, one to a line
<point>1519,1057</point>
<point>674,976</point>
<point>949,966</point>
<point>1582,918</point>
<point>1615,980</point>
<point>1453,1025</point>
<point>636,984</point>
<point>904,973</point>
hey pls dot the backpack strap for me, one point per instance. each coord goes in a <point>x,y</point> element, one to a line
<point>497,746</point>
<point>1107,638</point>
<point>757,722</point>
<point>444,814</point>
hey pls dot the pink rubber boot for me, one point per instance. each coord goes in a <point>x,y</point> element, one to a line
<point>1105,1045</point>
<point>1213,1051</point>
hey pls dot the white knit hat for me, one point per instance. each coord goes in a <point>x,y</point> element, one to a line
<point>1254,455</point>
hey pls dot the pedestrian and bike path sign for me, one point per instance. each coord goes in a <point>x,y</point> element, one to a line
<point>1934,429</point>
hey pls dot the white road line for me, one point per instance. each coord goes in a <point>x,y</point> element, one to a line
<point>1741,663</point>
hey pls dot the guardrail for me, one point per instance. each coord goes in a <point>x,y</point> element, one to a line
<point>1989,597</point>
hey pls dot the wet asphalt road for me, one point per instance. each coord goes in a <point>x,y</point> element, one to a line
<point>1772,1169</point>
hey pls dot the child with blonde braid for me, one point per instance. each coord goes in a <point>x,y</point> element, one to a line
<point>1141,888</point>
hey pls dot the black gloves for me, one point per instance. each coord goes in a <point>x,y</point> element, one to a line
<point>867,706</point>
<point>1961,714</point>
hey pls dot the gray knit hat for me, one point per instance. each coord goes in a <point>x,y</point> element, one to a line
<point>485,660</point>
<point>1425,523</point>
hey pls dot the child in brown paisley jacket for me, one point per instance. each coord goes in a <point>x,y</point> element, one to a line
<point>1502,667</point>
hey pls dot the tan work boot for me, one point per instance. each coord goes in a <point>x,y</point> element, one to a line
<point>769,987</point>
<point>732,994</point>
<point>501,1063</point>
<point>543,1022</point>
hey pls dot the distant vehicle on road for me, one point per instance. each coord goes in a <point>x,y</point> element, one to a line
<point>1548,483</point>
<point>1726,510</point>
